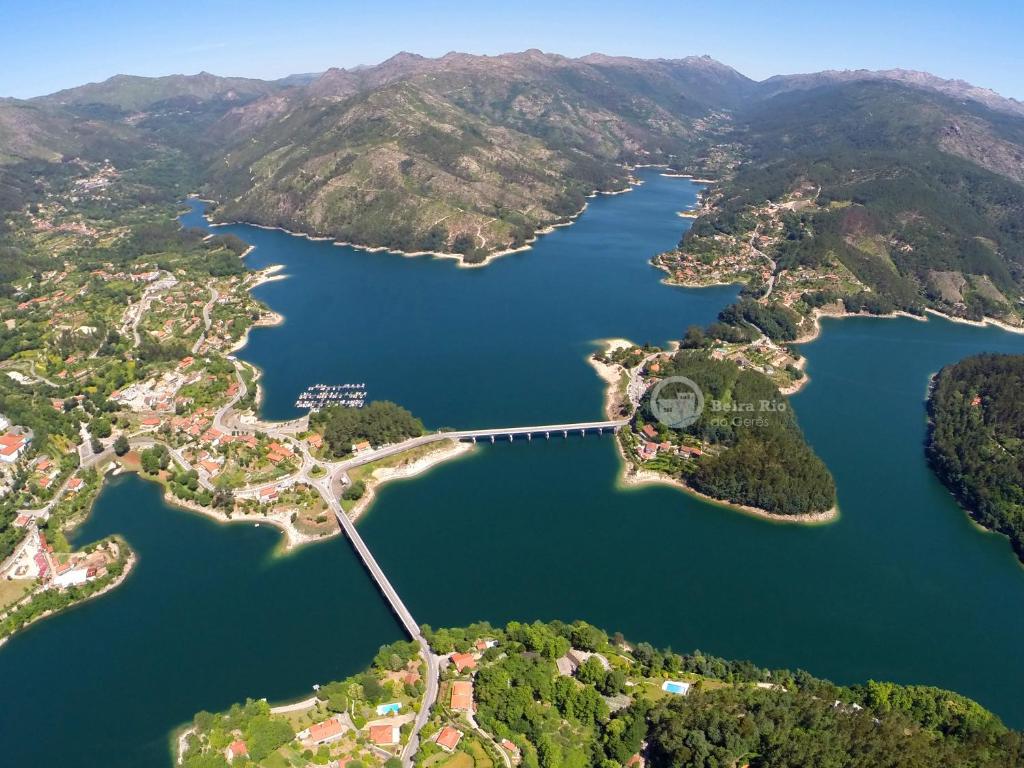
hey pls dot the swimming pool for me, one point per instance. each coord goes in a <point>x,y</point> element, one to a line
<point>674,686</point>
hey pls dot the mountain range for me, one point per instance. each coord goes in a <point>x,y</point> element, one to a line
<point>475,154</point>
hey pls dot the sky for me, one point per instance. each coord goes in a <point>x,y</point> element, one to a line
<point>52,44</point>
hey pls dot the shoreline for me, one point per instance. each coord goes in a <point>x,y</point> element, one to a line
<point>631,476</point>
<point>640,477</point>
<point>632,182</point>
<point>381,476</point>
<point>128,566</point>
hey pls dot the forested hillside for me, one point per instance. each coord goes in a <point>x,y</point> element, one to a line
<point>563,695</point>
<point>919,196</point>
<point>916,182</point>
<point>976,439</point>
<point>758,456</point>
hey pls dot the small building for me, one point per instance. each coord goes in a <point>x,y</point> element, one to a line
<point>75,484</point>
<point>462,695</point>
<point>235,749</point>
<point>269,494</point>
<point>449,738</point>
<point>322,733</point>
<point>509,747</point>
<point>361,447</point>
<point>12,447</point>
<point>463,661</point>
<point>384,735</point>
<point>650,431</point>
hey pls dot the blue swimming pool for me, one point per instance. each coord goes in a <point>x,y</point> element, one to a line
<point>675,687</point>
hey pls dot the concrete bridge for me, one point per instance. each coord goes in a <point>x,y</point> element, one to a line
<point>546,431</point>
<point>404,617</point>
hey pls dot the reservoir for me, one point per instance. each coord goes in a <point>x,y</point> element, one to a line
<point>902,587</point>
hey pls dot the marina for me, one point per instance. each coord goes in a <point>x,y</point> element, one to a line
<point>320,396</point>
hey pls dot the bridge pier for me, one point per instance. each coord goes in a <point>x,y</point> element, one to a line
<point>565,433</point>
<point>492,438</point>
<point>600,430</point>
<point>583,432</point>
<point>529,437</point>
<point>547,435</point>
<point>473,438</point>
<point>510,437</point>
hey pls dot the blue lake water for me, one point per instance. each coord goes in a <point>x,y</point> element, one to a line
<point>902,587</point>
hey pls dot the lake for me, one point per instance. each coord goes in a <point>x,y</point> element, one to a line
<point>902,587</point>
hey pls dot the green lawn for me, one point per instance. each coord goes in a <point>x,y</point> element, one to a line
<point>13,590</point>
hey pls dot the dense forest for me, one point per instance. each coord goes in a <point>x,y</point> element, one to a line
<point>380,423</point>
<point>976,439</point>
<point>766,463</point>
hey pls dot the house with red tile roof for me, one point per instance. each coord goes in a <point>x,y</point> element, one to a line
<point>462,695</point>
<point>75,484</point>
<point>12,446</point>
<point>384,734</point>
<point>235,749</point>
<point>463,661</point>
<point>322,733</point>
<point>269,494</point>
<point>509,747</point>
<point>449,738</point>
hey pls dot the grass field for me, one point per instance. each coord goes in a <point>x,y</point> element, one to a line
<point>12,591</point>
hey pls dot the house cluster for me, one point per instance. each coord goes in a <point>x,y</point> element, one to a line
<point>156,394</point>
<point>37,560</point>
<point>44,472</point>
<point>460,697</point>
<point>196,424</point>
<point>382,734</point>
<point>650,446</point>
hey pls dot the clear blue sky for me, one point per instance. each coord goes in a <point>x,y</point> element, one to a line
<point>53,44</point>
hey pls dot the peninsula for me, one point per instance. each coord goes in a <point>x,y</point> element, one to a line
<point>743,448</point>
<point>559,694</point>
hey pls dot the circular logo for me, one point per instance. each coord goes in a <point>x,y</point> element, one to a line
<point>677,402</point>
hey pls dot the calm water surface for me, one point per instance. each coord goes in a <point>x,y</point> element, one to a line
<point>902,587</point>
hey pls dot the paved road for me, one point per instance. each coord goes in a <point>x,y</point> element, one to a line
<point>207,322</point>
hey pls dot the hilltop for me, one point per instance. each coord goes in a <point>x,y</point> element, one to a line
<point>473,155</point>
